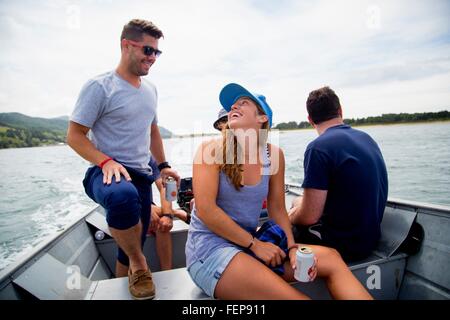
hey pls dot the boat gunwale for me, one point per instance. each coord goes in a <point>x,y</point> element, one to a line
<point>40,249</point>
<point>398,202</point>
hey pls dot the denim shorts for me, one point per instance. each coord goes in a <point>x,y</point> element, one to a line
<point>207,273</point>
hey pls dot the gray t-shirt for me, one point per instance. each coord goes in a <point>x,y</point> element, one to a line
<point>119,116</point>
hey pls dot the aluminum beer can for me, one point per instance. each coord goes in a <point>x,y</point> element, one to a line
<point>171,189</point>
<point>305,260</point>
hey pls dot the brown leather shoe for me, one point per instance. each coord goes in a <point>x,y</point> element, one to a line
<point>141,285</point>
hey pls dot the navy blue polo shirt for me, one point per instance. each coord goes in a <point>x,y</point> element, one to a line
<point>349,164</point>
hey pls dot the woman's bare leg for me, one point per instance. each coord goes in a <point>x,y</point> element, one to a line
<point>341,282</point>
<point>247,278</point>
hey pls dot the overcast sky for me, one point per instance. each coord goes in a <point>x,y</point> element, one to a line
<point>379,56</point>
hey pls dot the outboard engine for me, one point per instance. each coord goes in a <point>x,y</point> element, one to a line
<point>185,194</point>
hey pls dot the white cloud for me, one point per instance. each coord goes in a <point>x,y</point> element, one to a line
<point>380,56</point>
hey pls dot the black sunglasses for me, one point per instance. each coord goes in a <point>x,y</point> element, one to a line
<point>147,50</point>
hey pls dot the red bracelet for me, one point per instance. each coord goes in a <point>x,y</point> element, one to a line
<point>104,162</point>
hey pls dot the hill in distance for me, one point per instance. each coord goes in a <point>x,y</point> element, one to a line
<point>19,130</point>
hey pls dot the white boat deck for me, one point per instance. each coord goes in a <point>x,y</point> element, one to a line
<point>173,284</point>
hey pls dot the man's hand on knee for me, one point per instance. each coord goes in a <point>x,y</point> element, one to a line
<point>112,168</point>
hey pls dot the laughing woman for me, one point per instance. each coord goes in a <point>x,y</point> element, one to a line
<point>226,257</point>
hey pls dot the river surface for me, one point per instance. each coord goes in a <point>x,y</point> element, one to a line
<point>41,191</point>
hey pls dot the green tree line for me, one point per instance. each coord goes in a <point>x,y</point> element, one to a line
<point>18,130</point>
<point>21,137</point>
<point>387,118</point>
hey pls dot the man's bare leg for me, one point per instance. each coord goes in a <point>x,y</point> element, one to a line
<point>129,241</point>
<point>121,269</point>
<point>164,249</point>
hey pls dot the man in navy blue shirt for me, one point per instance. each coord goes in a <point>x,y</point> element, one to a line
<point>345,183</point>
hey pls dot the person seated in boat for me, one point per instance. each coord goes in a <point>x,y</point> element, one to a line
<point>220,124</point>
<point>345,183</point>
<point>231,178</point>
<point>161,221</point>
<point>222,119</point>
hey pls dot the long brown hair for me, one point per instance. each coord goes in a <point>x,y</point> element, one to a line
<point>230,144</point>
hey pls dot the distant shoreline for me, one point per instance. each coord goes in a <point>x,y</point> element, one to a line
<point>299,129</point>
<point>376,124</point>
<point>183,136</point>
<point>193,135</point>
<point>400,122</point>
<point>384,119</point>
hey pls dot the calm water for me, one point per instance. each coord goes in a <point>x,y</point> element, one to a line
<point>41,189</point>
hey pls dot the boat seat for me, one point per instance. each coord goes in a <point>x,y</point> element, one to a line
<point>77,247</point>
<point>50,279</point>
<point>386,262</point>
<point>174,284</point>
<point>395,228</point>
<point>382,277</point>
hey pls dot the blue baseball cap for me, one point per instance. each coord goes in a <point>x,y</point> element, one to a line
<point>232,92</point>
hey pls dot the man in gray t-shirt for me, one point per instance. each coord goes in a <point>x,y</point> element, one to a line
<point>118,111</point>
